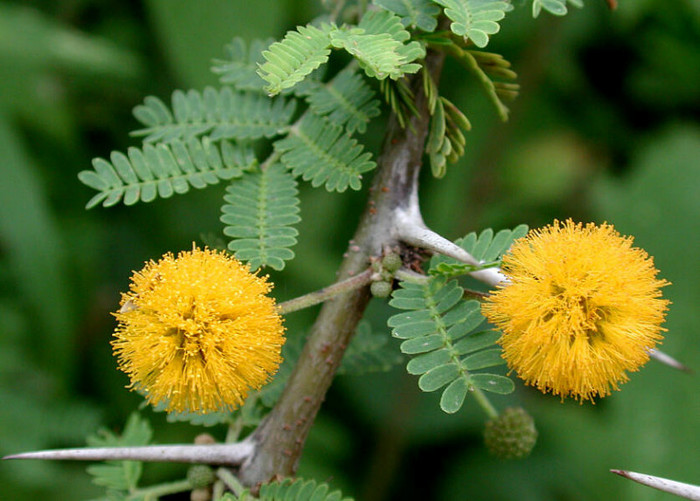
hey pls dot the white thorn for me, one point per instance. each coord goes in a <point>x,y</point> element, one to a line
<point>687,491</point>
<point>411,229</point>
<point>219,454</point>
<point>662,357</point>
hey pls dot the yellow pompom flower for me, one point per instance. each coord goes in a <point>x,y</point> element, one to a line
<point>197,332</point>
<point>580,309</point>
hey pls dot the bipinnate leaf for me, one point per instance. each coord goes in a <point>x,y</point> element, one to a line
<point>223,113</point>
<point>486,248</point>
<point>163,169</point>
<point>321,152</point>
<point>419,14</point>
<point>556,7</point>
<point>347,100</point>
<point>299,489</point>
<point>120,475</point>
<point>240,68</point>
<point>259,212</point>
<point>440,332</point>
<point>378,45</point>
<point>369,352</point>
<point>475,20</point>
<point>290,61</point>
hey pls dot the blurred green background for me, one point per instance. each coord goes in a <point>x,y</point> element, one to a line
<point>606,129</point>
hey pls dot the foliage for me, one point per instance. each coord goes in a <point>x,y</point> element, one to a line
<point>420,14</point>
<point>320,152</point>
<point>223,113</point>
<point>475,20</point>
<point>487,248</point>
<point>120,477</point>
<point>62,102</point>
<point>259,213</point>
<point>291,490</point>
<point>163,169</point>
<point>556,7</point>
<point>439,330</point>
<point>297,490</point>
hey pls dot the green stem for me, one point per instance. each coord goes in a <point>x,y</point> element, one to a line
<point>485,403</point>
<point>321,295</point>
<point>156,491</point>
<point>231,481</point>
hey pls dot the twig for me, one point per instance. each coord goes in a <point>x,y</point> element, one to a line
<point>321,295</point>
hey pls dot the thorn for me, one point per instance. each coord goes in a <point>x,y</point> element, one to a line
<point>224,454</point>
<point>669,360</point>
<point>681,489</point>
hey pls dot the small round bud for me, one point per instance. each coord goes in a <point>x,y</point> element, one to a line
<point>511,435</point>
<point>391,262</point>
<point>200,475</point>
<point>380,289</point>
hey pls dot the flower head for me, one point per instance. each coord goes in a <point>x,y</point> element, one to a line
<point>197,332</point>
<point>581,307</point>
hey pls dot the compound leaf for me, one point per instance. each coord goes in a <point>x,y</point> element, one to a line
<point>260,210</point>
<point>299,489</point>
<point>319,151</point>
<point>163,169</point>
<point>439,333</point>
<point>290,61</point>
<point>487,248</point>
<point>223,113</point>
<point>420,14</point>
<point>475,19</point>
<point>556,7</point>
<point>378,45</point>
<point>240,68</point>
<point>346,100</point>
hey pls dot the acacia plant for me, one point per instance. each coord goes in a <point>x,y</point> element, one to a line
<point>573,307</point>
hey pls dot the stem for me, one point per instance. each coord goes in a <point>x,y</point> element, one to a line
<point>156,491</point>
<point>230,480</point>
<point>321,295</point>
<point>280,437</point>
<point>485,403</point>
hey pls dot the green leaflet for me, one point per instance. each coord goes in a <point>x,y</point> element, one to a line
<point>120,476</point>
<point>223,113</point>
<point>163,169</point>
<point>378,45</point>
<point>298,490</point>
<point>440,333</point>
<point>346,100</point>
<point>368,352</point>
<point>300,52</point>
<point>321,152</point>
<point>556,7</point>
<point>240,68</point>
<point>420,14</point>
<point>475,19</point>
<point>487,248</point>
<point>259,213</point>
<point>484,66</point>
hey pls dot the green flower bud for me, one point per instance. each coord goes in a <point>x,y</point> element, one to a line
<point>200,475</point>
<point>511,435</point>
<point>380,289</point>
<point>391,262</point>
